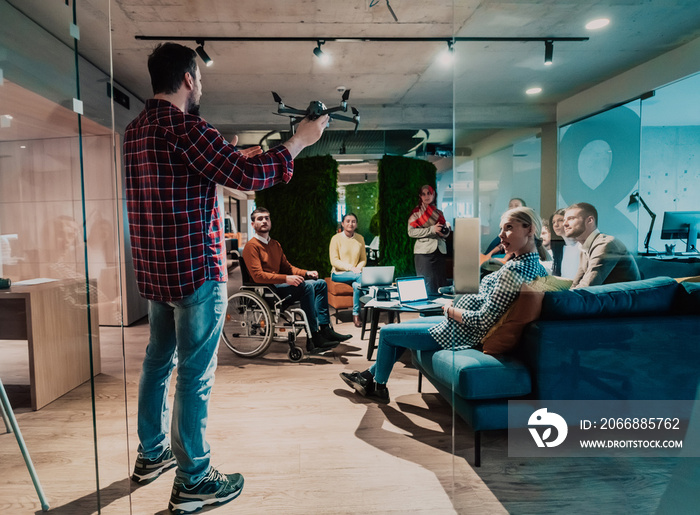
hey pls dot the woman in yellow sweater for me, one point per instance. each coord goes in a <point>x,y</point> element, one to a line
<point>348,258</point>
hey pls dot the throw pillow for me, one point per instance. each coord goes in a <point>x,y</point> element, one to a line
<point>693,279</point>
<point>551,283</point>
<point>504,336</point>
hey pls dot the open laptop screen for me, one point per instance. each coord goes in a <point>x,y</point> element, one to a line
<point>377,276</point>
<point>411,289</point>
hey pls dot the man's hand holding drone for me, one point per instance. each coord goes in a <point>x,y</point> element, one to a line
<point>308,132</point>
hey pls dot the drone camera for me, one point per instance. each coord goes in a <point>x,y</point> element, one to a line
<point>315,109</point>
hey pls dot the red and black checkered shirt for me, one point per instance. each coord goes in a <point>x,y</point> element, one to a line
<point>173,162</point>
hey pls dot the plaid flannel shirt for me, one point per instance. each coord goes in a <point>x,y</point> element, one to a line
<point>173,162</point>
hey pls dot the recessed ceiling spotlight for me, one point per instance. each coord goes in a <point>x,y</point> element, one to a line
<point>533,91</point>
<point>597,24</point>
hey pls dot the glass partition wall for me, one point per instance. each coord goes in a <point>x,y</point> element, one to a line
<point>60,229</point>
<point>599,164</point>
<point>65,246</point>
<point>493,163</point>
<point>647,150</point>
<point>70,366</point>
<point>669,178</point>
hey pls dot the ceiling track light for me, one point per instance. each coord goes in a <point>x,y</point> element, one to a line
<point>202,53</point>
<point>548,51</point>
<point>448,56</point>
<point>322,56</point>
<point>325,58</point>
<point>317,51</point>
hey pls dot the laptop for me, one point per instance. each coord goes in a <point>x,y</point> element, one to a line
<point>467,265</point>
<point>413,294</point>
<point>377,276</point>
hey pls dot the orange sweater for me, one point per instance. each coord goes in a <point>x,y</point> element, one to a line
<point>267,264</point>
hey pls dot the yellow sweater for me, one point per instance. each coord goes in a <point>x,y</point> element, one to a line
<point>347,253</point>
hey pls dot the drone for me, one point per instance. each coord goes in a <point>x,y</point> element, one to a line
<point>316,109</point>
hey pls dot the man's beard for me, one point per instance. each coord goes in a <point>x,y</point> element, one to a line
<point>193,109</point>
<point>192,105</point>
<point>573,234</point>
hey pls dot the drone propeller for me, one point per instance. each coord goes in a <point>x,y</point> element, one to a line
<point>286,110</point>
<point>355,119</point>
<point>346,95</point>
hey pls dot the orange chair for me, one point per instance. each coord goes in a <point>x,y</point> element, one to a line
<point>339,295</point>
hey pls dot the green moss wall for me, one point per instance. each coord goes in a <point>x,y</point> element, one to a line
<point>362,199</point>
<point>303,212</point>
<point>399,181</point>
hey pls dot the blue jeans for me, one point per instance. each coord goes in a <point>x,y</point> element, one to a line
<point>313,297</point>
<point>350,278</point>
<point>184,333</point>
<point>394,339</point>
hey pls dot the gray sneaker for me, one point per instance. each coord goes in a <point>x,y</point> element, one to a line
<point>212,490</point>
<point>147,470</point>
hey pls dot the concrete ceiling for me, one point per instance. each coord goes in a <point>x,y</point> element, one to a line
<point>397,86</point>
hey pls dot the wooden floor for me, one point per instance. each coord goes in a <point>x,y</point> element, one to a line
<point>306,444</point>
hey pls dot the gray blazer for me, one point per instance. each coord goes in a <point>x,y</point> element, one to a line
<point>605,260</point>
<point>426,240</point>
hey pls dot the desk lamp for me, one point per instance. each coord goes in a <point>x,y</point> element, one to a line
<point>634,198</point>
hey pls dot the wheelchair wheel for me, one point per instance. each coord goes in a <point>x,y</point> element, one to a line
<point>248,328</point>
<point>295,354</point>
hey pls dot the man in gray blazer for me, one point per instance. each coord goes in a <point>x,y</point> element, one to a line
<point>604,259</point>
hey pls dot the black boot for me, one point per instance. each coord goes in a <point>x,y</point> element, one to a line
<point>329,334</point>
<point>319,343</point>
<point>364,384</point>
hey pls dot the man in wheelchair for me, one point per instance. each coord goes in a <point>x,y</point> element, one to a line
<point>267,264</point>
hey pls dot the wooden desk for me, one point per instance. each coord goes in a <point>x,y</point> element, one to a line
<point>53,318</point>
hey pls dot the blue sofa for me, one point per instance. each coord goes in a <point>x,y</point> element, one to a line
<point>635,340</point>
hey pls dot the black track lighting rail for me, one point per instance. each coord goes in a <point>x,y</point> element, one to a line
<point>359,39</point>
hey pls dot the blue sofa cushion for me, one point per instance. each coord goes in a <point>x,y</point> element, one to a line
<point>635,298</point>
<point>476,375</point>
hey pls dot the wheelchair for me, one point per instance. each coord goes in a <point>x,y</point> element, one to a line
<point>256,316</point>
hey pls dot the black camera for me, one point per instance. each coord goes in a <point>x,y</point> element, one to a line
<point>445,230</point>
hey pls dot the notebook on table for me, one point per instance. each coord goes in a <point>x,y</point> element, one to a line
<point>377,276</point>
<point>413,294</point>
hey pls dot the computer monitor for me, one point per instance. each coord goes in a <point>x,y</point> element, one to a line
<point>682,225</point>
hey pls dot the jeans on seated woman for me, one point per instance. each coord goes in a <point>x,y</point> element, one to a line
<point>352,279</point>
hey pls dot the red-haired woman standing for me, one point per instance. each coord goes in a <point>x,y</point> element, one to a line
<point>428,226</point>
